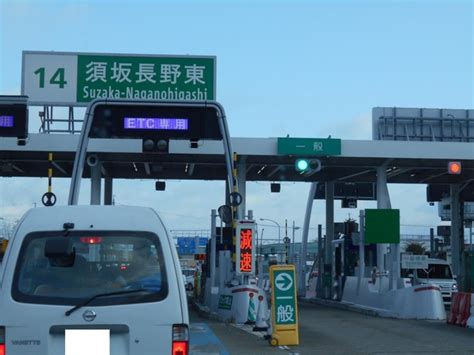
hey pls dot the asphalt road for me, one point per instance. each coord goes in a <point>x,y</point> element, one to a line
<point>325,330</point>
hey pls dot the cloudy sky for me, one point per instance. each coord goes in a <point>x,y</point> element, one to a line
<point>304,68</point>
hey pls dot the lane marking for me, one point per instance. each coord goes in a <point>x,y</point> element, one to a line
<point>204,341</point>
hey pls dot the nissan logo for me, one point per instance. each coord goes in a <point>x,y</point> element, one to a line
<point>89,316</point>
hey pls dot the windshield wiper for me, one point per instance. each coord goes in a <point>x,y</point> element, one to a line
<point>90,299</point>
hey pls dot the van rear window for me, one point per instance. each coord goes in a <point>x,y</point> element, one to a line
<point>57,269</point>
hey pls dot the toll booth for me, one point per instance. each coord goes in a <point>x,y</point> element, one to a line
<point>345,257</point>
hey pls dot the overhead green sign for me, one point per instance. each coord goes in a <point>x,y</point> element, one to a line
<point>382,226</point>
<point>78,78</point>
<point>309,146</point>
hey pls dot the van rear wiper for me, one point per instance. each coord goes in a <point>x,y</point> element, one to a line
<point>90,299</point>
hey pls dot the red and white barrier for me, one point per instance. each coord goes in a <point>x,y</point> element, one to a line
<point>462,310</point>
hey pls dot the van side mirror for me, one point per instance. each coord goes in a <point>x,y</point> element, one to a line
<point>60,252</point>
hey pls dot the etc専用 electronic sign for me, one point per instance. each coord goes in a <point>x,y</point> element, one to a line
<point>155,122</point>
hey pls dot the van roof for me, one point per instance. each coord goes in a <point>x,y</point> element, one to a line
<point>91,218</point>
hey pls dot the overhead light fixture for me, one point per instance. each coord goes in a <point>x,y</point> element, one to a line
<point>193,143</point>
<point>275,187</point>
<point>160,186</point>
<point>261,169</point>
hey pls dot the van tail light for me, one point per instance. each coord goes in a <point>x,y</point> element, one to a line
<point>2,341</point>
<point>180,339</point>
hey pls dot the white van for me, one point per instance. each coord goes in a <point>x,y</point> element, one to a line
<point>92,267</point>
<point>188,276</point>
<point>438,273</point>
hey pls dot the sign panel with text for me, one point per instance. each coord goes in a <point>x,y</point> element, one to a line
<point>308,146</point>
<point>75,79</point>
<point>245,259</point>
<point>284,305</point>
<point>414,261</point>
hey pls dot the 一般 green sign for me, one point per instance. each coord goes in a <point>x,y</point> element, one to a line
<point>284,305</point>
<point>309,146</point>
<point>284,297</point>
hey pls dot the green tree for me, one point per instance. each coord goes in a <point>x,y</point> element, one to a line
<point>415,248</point>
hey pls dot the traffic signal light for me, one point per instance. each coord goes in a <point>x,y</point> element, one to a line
<point>155,145</point>
<point>301,165</point>
<point>454,167</point>
<point>305,165</point>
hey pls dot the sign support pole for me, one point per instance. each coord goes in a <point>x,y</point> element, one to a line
<point>213,247</point>
<point>361,249</point>
<point>304,244</point>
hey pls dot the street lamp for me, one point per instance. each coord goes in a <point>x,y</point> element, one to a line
<point>271,220</point>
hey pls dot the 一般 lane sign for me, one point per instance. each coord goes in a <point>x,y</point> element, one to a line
<point>284,305</point>
<point>308,146</point>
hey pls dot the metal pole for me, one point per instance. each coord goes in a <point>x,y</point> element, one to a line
<point>241,185</point>
<point>329,237</point>
<point>96,179</point>
<point>361,249</point>
<point>279,236</point>
<point>285,242</point>
<point>293,241</point>
<point>431,242</point>
<point>383,201</point>
<point>108,190</point>
<point>304,240</point>
<point>213,247</point>
<point>456,225</point>
<point>320,260</point>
